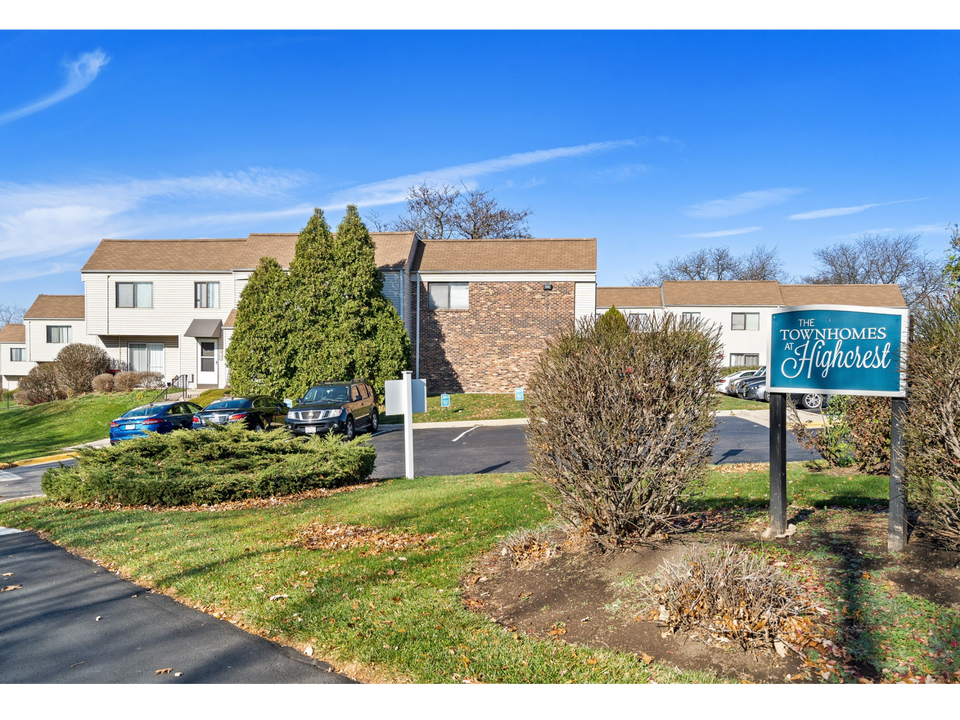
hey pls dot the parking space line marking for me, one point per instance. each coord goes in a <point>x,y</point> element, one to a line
<point>8,531</point>
<point>464,433</point>
<point>8,476</point>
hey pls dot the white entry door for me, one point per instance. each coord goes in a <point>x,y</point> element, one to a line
<point>207,362</point>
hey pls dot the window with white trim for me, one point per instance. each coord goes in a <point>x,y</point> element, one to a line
<point>134,294</point>
<point>742,359</point>
<point>145,357</point>
<point>448,296</point>
<point>744,321</point>
<point>18,354</point>
<point>206,294</point>
<point>59,334</point>
<point>691,316</point>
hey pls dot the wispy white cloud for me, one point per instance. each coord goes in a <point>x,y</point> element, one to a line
<point>80,73</point>
<point>621,173</point>
<point>44,220</point>
<point>852,210</point>
<point>742,203</point>
<point>932,228</point>
<point>28,272</point>
<point>724,233</point>
<point>394,190</point>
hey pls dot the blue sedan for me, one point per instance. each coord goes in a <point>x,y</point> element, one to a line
<point>158,417</point>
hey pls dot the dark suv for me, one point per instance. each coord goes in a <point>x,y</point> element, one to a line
<point>342,407</point>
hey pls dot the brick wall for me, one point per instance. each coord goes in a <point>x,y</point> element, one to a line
<point>492,346</point>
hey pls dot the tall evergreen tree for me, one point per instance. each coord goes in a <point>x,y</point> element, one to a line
<point>344,327</point>
<point>259,351</point>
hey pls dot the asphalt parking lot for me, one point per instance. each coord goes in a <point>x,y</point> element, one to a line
<point>477,449</point>
<point>488,449</point>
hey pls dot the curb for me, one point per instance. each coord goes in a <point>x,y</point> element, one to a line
<point>46,459</point>
<point>454,424</point>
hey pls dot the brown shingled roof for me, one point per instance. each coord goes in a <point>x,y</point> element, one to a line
<point>56,306</point>
<point>526,255</point>
<point>721,292</point>
<point>223,255</point>
<point>864,295</point>
<point>13,333</point>
<point>231,320</point>
<point>627,297</point>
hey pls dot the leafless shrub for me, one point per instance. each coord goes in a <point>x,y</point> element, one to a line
<point>22,397</point>
<point>77,365</point>
<point>620,421</point>
<point>41,384</point>
<point>933,421</point>
<point>126,381</point>
<point>730,594</point>
<point>151,380</point>
<point>526,547</point>
<point>856,432</point>
<point>103,383</point>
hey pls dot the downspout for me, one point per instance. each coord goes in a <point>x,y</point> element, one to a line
<point>418,326</point>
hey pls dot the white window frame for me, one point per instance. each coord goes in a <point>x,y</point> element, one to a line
<point>138,298</point>
<point>744,325</point>
<point>202,296</point>
<point>153,353</point>
<point>744,359</point>
<point>18,354</point>
<point>440,296</point>
<point>62,333</point>
<point>691,315</point>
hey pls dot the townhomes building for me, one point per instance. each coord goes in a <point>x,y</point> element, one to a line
<point>478,312</point>
<point>485,308</point>
<point>168,306</point>
<point>51,323</point>
<point>13,355</point>
<point>742,309</point>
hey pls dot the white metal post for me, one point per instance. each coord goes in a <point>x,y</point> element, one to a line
<point>408,422</point>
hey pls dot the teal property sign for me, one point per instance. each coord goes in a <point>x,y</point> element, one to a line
<point>838,350</point>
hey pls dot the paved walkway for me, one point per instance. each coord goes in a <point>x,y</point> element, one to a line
<point>67,620</point>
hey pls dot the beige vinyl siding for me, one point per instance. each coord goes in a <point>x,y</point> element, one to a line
<point>11,371</point>
<point>584,299</point>
<point>95,302</point>
<point>39,350</point>
<point>173,309</point>
<point>752,342</point>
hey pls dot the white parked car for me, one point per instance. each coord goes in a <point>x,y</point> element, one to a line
<point>725,385</point>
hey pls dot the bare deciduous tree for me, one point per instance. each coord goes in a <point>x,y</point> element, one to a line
<point>11,314</point>
<point>762,264</point>
<point>717,263</point>
<point>449,211</point>
<point>875,259</point>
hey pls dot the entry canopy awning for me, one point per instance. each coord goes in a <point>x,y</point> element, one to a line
<point>204,329</point>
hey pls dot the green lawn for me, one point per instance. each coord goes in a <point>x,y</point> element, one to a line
<point>467,406</point>
<point>728,402</point>
<point>28,432</point>
<point>397,613</point>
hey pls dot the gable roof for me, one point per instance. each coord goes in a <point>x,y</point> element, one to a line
<point>507,255</point>
<point>628,297</point>
<point>60,307</point>
<point>745,293</point>
<point>392,251</point>
<point>721,292</point>
<point>231,320</point>
<point>865,295</point>
<point>13,333</point>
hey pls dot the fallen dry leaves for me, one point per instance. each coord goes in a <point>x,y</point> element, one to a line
<point>369,540</point>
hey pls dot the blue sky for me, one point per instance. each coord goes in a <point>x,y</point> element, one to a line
<point>656,143</point>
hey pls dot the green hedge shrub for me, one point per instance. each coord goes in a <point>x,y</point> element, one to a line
<point>209,466</point>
